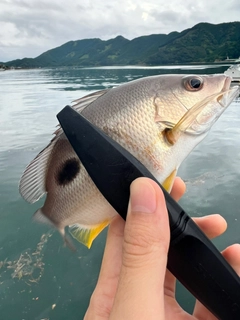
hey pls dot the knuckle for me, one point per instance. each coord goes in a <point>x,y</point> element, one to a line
<point>99,306</point>
<point>141,243</point>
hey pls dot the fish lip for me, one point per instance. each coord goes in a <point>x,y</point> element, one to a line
<point>229,93</point>
<point>227,83</point>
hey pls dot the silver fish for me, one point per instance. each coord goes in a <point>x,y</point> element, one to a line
<point>159,119</point>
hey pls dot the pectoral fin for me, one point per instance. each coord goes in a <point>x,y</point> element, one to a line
<point>168,182</point>
<point>87,235</point>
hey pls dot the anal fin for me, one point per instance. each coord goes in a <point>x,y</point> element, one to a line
<point>168,182</point>
<point>87,235</point>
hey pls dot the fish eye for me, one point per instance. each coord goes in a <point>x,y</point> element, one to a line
<point>193,83</point>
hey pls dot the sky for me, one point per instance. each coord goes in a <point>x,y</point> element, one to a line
<point>31,27</point>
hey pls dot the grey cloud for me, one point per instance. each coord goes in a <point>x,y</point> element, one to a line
<point>32,5</point>
<point>177,19</point>
<point>39,25</point>
<point>169,17</point>
<point>235,5</point>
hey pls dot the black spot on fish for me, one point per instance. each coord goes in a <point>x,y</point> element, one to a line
<point>68,171</point>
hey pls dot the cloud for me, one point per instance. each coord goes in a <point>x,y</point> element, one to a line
<point>30,27</point>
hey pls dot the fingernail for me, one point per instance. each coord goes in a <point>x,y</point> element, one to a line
<point>142,196</point>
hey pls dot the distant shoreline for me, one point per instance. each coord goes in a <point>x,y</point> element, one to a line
<point>220,63</point>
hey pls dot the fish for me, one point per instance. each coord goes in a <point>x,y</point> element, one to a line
<point>159,119</point>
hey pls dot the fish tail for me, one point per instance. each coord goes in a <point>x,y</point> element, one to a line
<point>39,216</point>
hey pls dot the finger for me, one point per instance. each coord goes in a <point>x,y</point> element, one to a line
<point>178,189</point>
<point>213,226</point>
<point>102,298</point>
<point>232,255</point>
<point>112,257</point>
<point>145,248</point>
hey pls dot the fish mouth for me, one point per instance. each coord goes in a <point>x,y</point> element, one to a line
<point>207,117</point>
<point>228,93</point>
<point>227,83</point>
<point>200,118</point>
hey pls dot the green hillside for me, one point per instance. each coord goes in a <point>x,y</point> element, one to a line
<point>204,42</point>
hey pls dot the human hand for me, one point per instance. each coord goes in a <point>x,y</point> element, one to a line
<point>134,282</point>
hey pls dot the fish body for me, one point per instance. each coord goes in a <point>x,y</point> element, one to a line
<point>159,119</point>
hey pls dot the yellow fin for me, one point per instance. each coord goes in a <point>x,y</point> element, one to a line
<point>168,182</point>
<point>87,235</point>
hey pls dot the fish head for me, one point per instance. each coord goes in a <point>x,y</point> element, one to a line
<point>207,95</point>
<point>186,109</point>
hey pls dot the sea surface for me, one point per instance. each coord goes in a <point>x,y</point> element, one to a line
<point>39,277</point>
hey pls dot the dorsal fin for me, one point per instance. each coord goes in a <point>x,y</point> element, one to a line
<point>32,183</point>
<point>80,104</point>
<point>85,101</point>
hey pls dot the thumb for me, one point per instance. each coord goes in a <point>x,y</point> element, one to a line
<point>145,248</point>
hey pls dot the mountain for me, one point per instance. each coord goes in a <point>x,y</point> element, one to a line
<point>202,43</point>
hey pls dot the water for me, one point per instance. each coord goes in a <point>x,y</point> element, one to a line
<point>39,278</point>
